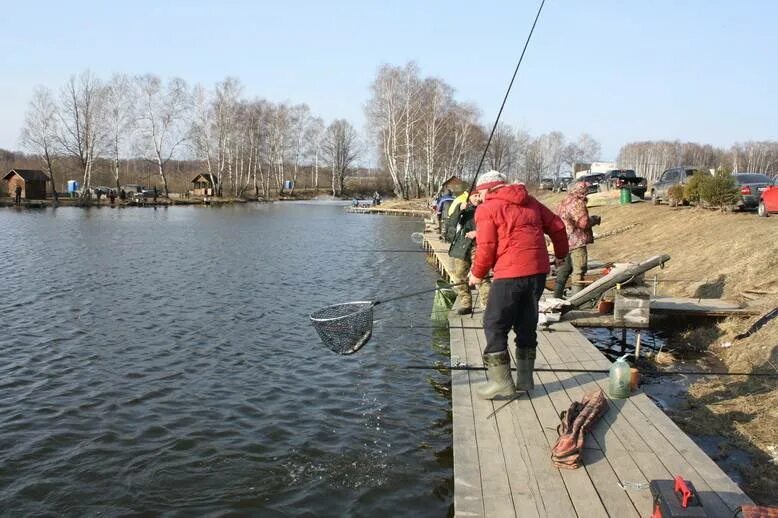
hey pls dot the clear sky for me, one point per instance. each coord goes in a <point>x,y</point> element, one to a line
<point>620,70</point>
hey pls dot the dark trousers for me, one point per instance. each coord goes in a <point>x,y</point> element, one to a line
<point>562,274</point>
<point>513,304</point>
<point>575,265</point>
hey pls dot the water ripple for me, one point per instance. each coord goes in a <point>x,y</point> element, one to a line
<point>161,362</point>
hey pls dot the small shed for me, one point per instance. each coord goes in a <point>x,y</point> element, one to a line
<point>32,182</point>
<point>454,184</point>
<point>203,184</point>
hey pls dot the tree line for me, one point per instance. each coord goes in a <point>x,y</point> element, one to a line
<point>420,134</point>
<point>245,145</point>
<point>423,135</point>
<point>650,159</point>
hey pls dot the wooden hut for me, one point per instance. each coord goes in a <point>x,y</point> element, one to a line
<point>32,182</point>
<point>203,184</point>
<point>454,184</point>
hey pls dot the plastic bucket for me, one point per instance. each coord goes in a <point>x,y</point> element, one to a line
<point>625,196</point>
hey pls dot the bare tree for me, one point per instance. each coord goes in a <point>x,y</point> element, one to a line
<point>225,114</point>
<point>82,123</point>
<point>501,155</point>
<point>314,137</point>
<point>341,146</point>
<point>300,118</point>
<point>393,114</point>
<point>39,134</point>
<point>650,159</point>
<point>163,120</point>
<point>119,110</point>
<point>201,131</point>
<point>761,157</point>
<point>586,149</point>
<point>436,99</point>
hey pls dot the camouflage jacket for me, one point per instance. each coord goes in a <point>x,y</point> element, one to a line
<point>575,216</point>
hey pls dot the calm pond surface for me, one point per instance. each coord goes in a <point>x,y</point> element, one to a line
<point>162,362</point>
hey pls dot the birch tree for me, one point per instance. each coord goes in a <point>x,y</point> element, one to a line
<point>341,146</point>
<point>82,123</point>
<point>163,121</point>
<point>314,138</point>
<point>501,155</point>
<point>39,134</point>
<point>119,111</point>
<point>299,119</point>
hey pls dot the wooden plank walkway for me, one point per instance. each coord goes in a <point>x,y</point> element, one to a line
<point>391,212</point>
<point>502,464</point>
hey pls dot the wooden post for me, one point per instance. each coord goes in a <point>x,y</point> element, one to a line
<point>637,345</point>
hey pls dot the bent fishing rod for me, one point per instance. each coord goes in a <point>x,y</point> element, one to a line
<point>505,99</point>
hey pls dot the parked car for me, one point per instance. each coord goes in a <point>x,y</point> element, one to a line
<point>670,177</point>
<point>103,190</point>
<point>751,186</point>
<point>547,184</point>
<point>620,178</point>
<point>593,180</point>
<point>150,193</point>
<point>562,183</point>
<point>769,202</point>
<point>132,188</point>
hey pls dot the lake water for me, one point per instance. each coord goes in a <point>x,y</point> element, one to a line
<point>162,362</point>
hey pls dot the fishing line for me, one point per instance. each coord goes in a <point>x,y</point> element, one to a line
<point>510,85</point>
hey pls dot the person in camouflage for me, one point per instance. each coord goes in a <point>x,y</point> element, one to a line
<point>462,250</point>
<point>573,212</point>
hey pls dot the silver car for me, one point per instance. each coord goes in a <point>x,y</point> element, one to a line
<point>673,176</point>
<point>751,186</point>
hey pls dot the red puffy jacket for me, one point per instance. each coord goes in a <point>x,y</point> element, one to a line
<point>510,225</point>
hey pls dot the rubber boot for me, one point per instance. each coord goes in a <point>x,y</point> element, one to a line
<point>498,372</point>
<point>559,290</point>
<point>525,366</point>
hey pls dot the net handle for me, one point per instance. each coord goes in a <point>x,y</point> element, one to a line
<point>428,290</point>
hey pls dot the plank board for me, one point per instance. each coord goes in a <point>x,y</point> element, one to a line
<point>701,307</point>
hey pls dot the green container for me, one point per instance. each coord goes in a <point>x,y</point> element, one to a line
<point>619,379</point>
<point>625,196</point>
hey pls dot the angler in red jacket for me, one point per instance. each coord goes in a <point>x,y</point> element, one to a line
<point>511,225</point>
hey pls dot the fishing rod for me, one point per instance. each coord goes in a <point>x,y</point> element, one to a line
<point>510,85</point>
<point>600,371</point>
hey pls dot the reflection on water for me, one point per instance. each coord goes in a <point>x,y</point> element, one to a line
<point>161,360</point>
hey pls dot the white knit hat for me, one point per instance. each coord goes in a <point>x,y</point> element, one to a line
<point>490,179</point>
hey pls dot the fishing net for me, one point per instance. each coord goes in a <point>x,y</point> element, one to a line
<point>443,302</point>
<point>344,328</point>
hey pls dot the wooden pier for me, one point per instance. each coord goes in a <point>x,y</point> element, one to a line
<point>502,450</point>
<point>416,213</point>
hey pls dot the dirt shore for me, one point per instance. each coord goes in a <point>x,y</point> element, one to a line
<point>713,255</point>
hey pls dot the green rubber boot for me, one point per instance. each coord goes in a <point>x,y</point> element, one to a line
<point>525,366</point>
<point>498,371</point>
